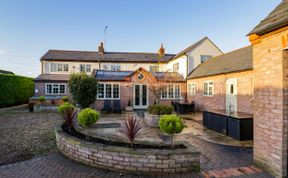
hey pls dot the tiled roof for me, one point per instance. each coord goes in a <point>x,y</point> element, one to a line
<point>235,61</point>
<point>90,56</point>
<point>276,19</point>
<point>169,76</point>
<point>104,75</point>
<point>193,46</point>
<point>52,78</point>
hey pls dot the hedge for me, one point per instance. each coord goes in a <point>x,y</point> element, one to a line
<point>15,90</point>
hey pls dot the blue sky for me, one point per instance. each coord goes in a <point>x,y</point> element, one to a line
<point>29,28</point>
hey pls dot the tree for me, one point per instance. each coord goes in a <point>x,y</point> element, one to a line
<point>83,89</point>
<point>171,124</point>
<point>87,117</point>
<point>164,78</point>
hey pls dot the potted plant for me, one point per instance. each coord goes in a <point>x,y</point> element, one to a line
<point>129,108</point>
<point>155,112</point>
<point>42,99</point>
<point>171,124</point>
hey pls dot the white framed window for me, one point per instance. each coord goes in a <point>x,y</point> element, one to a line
<point>58,67</point>
<point>208,88</point>
<point>192,88</point>
<point>115,67</point>
<point>176,67</point>
<point>112,67</point>
<point>55,89</point>
<point>204,58</point>
<point>85,68</point>
<point>109,91</point>
<point>154,68</point>
<point>171,92</point>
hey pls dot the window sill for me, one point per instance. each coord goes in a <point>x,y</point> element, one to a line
<point>103,99</point>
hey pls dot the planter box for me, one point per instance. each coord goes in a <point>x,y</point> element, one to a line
<point>151,120</point>
<point>41,107</point>
<point>238,125</point>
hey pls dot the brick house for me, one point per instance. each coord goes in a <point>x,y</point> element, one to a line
<point>223,83</point>
<point>113,69</point>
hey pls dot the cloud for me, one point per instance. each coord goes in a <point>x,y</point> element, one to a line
<point>2,52</point>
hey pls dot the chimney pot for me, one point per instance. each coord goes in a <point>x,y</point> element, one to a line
<point>101,48</point>
<point>161,51</point>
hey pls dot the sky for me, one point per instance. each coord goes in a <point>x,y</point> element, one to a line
<point>28,29</point>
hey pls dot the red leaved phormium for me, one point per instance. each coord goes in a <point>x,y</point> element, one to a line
<point>69,115</point>
<point>130,127</point>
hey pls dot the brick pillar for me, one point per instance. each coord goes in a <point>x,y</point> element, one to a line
<point>270,103</point>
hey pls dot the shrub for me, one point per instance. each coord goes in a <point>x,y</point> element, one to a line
<point>15,90</point>
<point>42,99</point>
<point>65,99</point>
<point>130,128</point>
<point>160,109</point>
<point>68,113</point>
<point>87,117</point>
<point>171,124</point>
<point>83,89</point>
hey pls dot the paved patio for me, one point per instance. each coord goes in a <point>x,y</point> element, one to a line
<point>217,160</point>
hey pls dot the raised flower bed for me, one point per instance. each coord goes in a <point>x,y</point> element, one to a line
<point>117,156</point>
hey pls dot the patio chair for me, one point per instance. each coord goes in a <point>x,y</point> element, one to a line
<point>173,103</point>
<point>107,106</point>
<point>116,106</point>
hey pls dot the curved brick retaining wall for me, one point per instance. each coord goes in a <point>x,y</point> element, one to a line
<point>123,159</point>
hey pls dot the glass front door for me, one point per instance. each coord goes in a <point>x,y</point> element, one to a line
<point>140,96</point>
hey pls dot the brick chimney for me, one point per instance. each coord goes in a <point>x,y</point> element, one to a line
<point>161,51</point>
<point>101,48</point>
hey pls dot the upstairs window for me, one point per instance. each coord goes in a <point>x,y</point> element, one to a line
<point>115,67</point>
<point>154,68</point>
<point>85,68</point>
<point>58,67</point>
<point>112,67</point>
<point>191,88</point>
<point>55,89</point>
<point>208,88</point>
<point>176,67</point>
<point>205,58</point>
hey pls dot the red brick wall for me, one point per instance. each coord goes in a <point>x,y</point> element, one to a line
<point>218,100</point>
<point>270,103</point>
<point>126,93</point>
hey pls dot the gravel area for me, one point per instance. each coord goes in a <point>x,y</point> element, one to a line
<point>24,135</point>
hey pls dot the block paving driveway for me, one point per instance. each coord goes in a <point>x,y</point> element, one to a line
<point>216,160</point>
